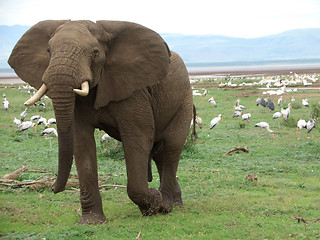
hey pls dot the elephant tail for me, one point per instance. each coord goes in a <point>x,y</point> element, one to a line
<point>194,134</point>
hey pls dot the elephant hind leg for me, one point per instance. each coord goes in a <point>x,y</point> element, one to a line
<point>167,158</point>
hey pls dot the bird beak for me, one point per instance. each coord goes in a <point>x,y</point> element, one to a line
<point>221,119</point>
<point>297,130</point>
<point>272,135</point>
<point>35,128</point>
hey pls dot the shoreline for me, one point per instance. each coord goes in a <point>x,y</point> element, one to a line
<point>11,78</point>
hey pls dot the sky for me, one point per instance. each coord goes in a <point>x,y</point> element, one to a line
<point>236,18</point>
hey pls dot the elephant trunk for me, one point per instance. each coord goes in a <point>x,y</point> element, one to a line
<point>64,113</point>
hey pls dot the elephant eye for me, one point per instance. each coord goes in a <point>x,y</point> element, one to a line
<point>48,50</point>
<point>95,52</point>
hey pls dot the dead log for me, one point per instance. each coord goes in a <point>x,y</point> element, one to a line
<point>244,149</point>
<point>15,175</point>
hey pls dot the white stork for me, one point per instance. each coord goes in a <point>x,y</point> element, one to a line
<point>212,101</point>
<point>214,122</point>
<point>23,114</point>
<point>199,121</point>
<point>16,121</point>
<point>301,124</point>
<point>24,126</point>
<point>305,102</point>
<point>277,115</point>
<point>5,103</point>
<point>279,101</point>
<point>311,124</point>
<point>265,125</point>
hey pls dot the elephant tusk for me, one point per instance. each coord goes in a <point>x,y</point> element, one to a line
<point>84,89</point>
<point>42,90</point>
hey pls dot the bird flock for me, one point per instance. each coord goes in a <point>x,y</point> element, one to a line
<point>24,123</point>
<point>280,109</point>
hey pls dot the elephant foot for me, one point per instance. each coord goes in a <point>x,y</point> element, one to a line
<point>169,201</point>
<point>92,218</point>
<point>153,204</point>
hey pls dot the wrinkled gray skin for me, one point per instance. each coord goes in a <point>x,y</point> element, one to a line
<point>139,94</point>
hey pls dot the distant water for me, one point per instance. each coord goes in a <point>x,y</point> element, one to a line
<point>230,66</point>
<point>253,65</point>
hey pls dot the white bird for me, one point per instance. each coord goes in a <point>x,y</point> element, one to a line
<point>265,125</point>
<point>35,117</point>
<point>16,121</point>
<point>24,126</point>
<point>258,101</point>
<point>246,116</point>
<point>301,124</point>
<point>236,114</point>
<point>49,131</point>
<point>305,102</point>
<point>238,108</point>
<point>51,121</point>
<point>42,120</point>
<point>199,121</point>
<point>214,122</point>
<point>23,114</point>
<point>238,102</point>
<point>311,124</point>
<point>212,101</point>
<point>276,115</point>
<point>293,100</point>
<point>5,103</point>
<point>286,112</point>
<point>279,101</point>
<point>105,136</point>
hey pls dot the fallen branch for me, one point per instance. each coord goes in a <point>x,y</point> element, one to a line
<point>138,237</point>
<point>112,185</point>
<point>15,183</point>
<point>14,175</point>
<point>244,149</point>
<point>300,219</point>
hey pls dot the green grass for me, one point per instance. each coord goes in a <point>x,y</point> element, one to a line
<point>219,203</point>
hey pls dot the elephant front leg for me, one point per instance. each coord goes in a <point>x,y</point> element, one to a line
<point>86,162</point>
<point>149,200</point>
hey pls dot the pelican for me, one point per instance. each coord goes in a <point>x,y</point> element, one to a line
<point>5,103</point>
<point>311,124</point>
<point>301,124</point>
<point>305,102</point>
<point>16,121</point>
<point>23,114</point>
<point>212,101</point>
<point>279,101</point>
<point>214,122</point>
<point>199,121</point>
<point>266,126</point>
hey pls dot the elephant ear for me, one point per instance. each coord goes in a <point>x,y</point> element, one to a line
<point>137,57</point>
<point>29,57</point>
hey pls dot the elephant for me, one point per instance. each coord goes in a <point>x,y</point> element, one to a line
<point>120,77</point>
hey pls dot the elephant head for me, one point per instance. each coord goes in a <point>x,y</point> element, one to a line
<point>66,58</point>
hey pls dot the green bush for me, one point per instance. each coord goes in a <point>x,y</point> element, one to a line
<point>296,105</point>
<point>290,122</point>
<point>315,111</point>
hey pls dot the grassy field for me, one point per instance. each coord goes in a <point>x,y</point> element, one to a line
<point>219,202</point>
